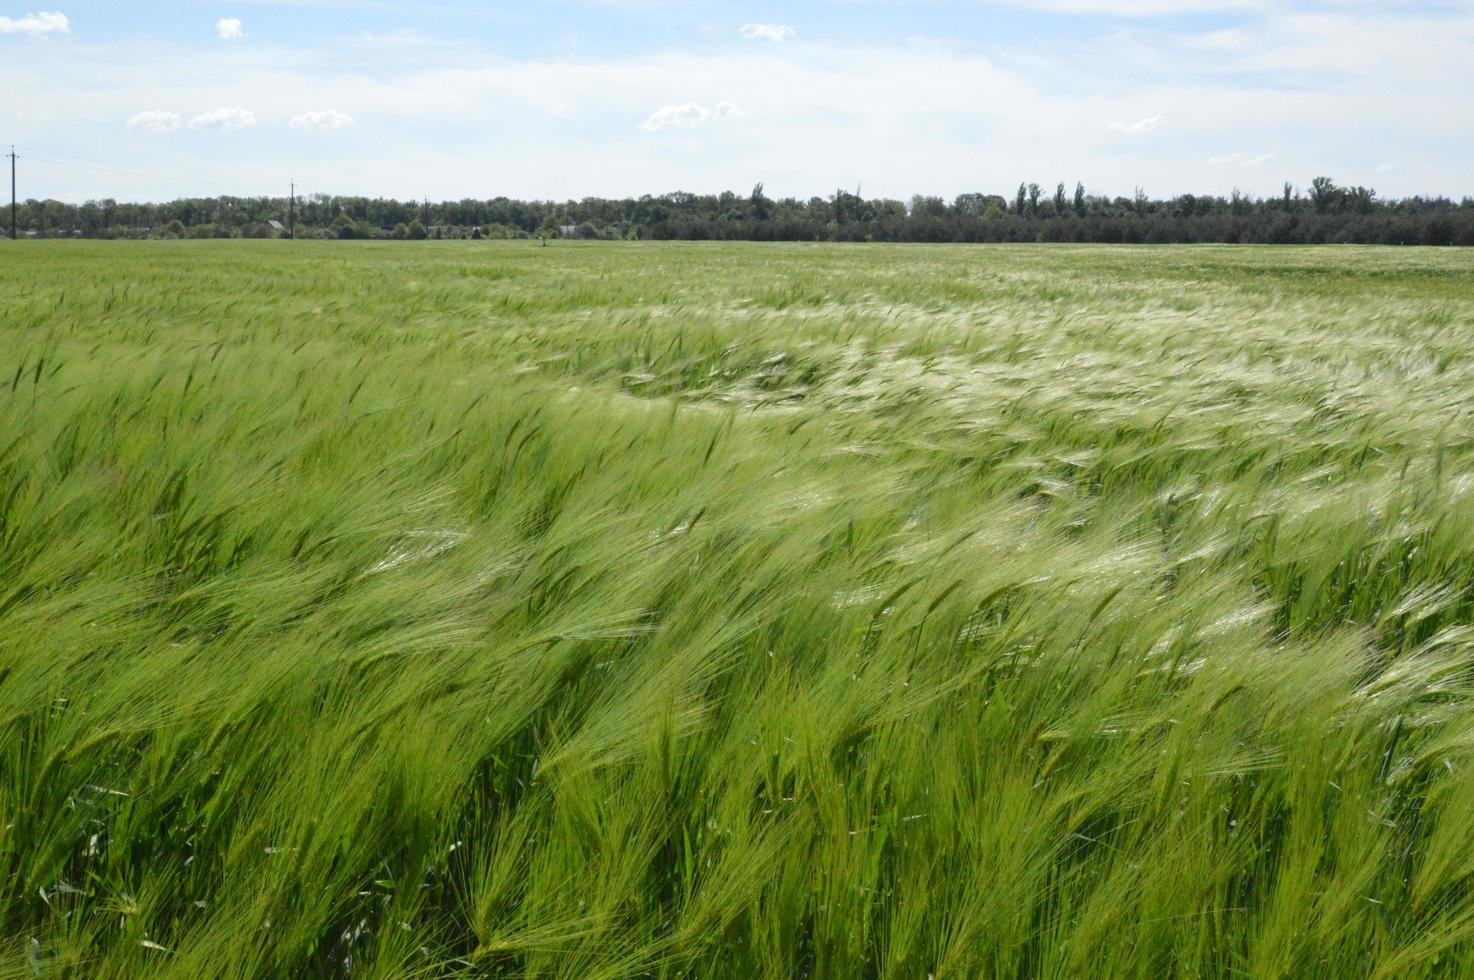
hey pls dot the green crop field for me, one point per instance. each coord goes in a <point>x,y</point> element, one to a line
<point>600,611</point>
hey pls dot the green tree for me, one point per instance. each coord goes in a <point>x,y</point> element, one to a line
<point>759,202</point>
<point>1324,194</point>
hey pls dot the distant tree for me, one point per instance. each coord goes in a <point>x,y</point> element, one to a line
<point>1323,193</point>
<point>968,205</point>
<point>1059,198</point>
<point>847,207</point>
<point>758,201</point>
<point>1335,214</point>
<point>416,232</point>
<point>928,206</point>
<point>89,218</point>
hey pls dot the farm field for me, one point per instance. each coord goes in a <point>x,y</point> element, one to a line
<point>599,611</point>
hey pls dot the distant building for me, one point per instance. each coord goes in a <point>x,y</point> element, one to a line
<point>568,231</point>
<point>277,225</point>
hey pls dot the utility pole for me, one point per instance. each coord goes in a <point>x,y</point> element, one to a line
<point>12,193</point>
<point>292,213</point>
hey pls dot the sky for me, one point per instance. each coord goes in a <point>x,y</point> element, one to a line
<point>560,99</point>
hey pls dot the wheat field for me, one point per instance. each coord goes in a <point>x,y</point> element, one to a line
<point>603,611</point>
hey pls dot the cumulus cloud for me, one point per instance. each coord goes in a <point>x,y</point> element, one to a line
<point>1241,160</point>
<point>35,25</point>
<point>689,116</point>
<point>229,28</point>
<point>154,121</point>
<point>322,119</point>
<point>1139,128</point>
<point>226,117</point>
<point>768,32</point>
<point>846,112</point>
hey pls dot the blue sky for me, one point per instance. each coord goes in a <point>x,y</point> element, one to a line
<point>567,98</point>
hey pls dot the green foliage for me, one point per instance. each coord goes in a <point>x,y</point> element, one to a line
<point>732,611</point>
<point>1329,215</point>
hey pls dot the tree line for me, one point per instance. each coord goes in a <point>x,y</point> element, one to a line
<point>1323,213</point>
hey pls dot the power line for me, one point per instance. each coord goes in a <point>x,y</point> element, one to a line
<point>112,170</point>
<point>102,168</point>
<point>99,168</point>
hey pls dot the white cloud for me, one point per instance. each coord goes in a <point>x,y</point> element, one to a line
<point>1241,160</point>
<point>1229,40</point>
<point>1324,92</point>
<point>154,121</point>
<point>37,24</point>
<point>229,28</point>
<point>226,117</point>
<point>1139,128</point>
<point>322,119</point>
<point>689,116</point>
<point>768,32</point>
